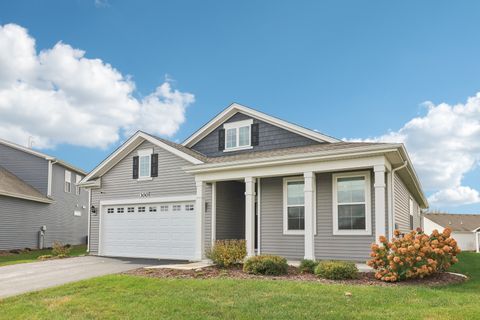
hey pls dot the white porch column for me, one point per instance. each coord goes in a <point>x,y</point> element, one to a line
<point>250,215</point>
<point>379,186</point>
<point>309,193</point>
<point>200,220</point>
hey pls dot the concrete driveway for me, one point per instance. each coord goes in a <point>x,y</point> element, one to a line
<point>21,278</point>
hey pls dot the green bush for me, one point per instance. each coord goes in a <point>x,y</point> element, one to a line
<point>266,264</point>
<point>59,250</point>
<point>227,253</point>
<point>308,266</point>
<point>336,270</point>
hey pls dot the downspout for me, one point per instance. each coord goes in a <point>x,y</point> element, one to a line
<point>391,221</point>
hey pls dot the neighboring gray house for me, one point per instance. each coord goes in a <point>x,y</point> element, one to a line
<point>38,190</point>
<point>286,190</point>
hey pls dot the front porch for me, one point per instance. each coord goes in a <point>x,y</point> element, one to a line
<point>250,204</point>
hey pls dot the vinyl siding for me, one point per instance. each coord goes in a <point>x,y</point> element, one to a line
<point>272,239</point>
<point>118,184</point>
<point>338,247</point>
<point>31,169</point>
<point>21,219</point>
<point>402,207</point>
<point>270,137</point>
<point>230,210</point>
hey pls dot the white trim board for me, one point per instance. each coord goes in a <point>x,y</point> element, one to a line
<point>147,200</point>
<point>235,107</point>
<point>130,145</point>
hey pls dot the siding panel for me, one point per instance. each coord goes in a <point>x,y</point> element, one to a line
<point>118,184</point>
<point>270,137</point>
<point>230,210</point>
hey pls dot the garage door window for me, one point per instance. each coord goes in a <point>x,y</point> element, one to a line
<point>110,210</point>
<point>152,209</point>
<point>120,210</point>
<point>177,207</point>
<point>189,207</point>
<point>163,208</point>
<point>141,209</point>
<point>130,209</point>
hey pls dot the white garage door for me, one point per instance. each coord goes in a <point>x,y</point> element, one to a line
<point>157,230</point>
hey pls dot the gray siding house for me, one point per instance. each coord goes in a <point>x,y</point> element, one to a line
<point>285,189</point>
<point>38,191</point>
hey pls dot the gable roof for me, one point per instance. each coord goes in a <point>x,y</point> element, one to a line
<point>457,222</point>
<point>41,155</point>
<point>13,186</point>
<point>133,142</point>
<point>235,108</point>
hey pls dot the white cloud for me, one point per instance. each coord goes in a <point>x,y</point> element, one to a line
<point>444,146</point>
<point>58,96</point>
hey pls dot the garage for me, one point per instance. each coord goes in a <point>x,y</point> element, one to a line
<point>163,230</point>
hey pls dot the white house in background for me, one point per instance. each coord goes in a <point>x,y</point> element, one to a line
<point>465,228</point>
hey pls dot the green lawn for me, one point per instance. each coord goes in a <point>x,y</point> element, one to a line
<point>130,297</point>
<point>33,255</point>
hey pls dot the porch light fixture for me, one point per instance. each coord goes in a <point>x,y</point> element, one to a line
<point>93,209</point>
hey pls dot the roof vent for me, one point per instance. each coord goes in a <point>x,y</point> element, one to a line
<point>450,222</point>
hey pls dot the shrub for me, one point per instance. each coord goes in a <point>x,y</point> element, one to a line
<point>336,270</point>
<point>266,264</point>
<point>227,253</point>
<point>307,266</point>
<point>413,255</point>
<point>59,250</point>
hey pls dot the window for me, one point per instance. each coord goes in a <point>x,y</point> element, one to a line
<point>152,209</point>
<point>68,181</point>
<point>144,165</point>
<point>189,207</point>
<point>164,208</point>
<point>141,209</point>
<point>411,213</point>
<point>120,210</point>
<point>351,203</point>
<point>294,206</point>
<point>238,135</point>
<point>176,207</point>
<point>130,209</point>
<point>77,187</point>
<point>110,210</point>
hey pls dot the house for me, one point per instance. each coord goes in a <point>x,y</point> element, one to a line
<point>285,189</point>
<point>40,201</point>
<point>465,228</point>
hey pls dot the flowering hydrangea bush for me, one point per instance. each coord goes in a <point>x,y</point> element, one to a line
<point>413,255</point>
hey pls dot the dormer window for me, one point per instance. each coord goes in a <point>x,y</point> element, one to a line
<point>238,135</point>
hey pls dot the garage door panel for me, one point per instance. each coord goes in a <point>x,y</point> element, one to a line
<point>161,234</point>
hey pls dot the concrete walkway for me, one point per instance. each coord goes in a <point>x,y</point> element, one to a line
<point>21,278</point>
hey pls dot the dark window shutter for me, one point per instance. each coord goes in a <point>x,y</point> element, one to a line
<point>255,139</point>
<point>154,164</point>
<point>221,139</point>
<point>135,167</point>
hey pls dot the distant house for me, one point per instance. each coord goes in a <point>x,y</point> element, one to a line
<point>39,192</point>
<point>285,189</point>
<point>465,227</point>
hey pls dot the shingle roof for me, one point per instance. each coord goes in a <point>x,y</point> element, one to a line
<point>269,153</point>
<point>13,186</point>
<point>457,222</point>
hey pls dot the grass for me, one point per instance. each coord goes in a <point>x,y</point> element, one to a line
<point>130,297</point>
<point>32,256</point>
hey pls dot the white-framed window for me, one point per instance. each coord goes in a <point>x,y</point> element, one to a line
<point>144,164</point>
<point>189,207</point>
<point>238,135</point>
<point>110,210</point>
<point>120,210</point>
<point>78,178</point>
<point>131,209</point>
<point>141,209</point>
<point>68,181</point>
<point>176,207</point>
<point>351,203</point>
<point>152,209</point>
<point>293,205</point>
<point>411,211</point>
<point>164,208</point>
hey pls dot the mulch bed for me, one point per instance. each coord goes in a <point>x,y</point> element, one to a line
<point>293,274</point>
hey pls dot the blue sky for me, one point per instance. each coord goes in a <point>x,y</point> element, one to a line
<point>351,69</point>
